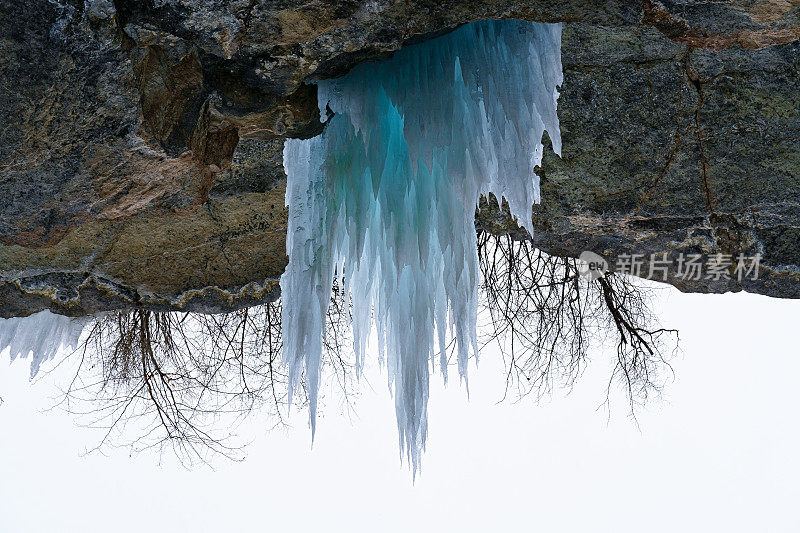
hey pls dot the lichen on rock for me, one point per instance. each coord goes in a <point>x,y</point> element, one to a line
<point>140,141</point>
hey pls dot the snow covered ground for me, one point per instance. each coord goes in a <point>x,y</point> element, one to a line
<point>719,453</point>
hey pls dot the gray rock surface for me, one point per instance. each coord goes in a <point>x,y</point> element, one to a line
<point>140,141</point>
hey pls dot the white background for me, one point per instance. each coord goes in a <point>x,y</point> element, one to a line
<point>718,453</point>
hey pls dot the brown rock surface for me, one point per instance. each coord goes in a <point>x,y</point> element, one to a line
<point>140,142</point>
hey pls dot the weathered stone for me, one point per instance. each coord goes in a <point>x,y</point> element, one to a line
<point>140,142</point>
<point>720,25</point>
<point>677,150</point>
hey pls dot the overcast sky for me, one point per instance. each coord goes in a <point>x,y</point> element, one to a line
<point>719,453</point>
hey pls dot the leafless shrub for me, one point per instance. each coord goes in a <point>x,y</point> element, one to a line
<point>185,381</point>
<point>546,318</point>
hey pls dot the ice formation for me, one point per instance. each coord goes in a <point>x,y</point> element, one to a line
<point>42,334</point>
<point>385,199</point>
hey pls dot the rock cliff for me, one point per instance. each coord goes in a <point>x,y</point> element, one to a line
<point>141,141</point>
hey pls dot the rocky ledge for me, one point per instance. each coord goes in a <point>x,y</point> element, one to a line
<point>141,141</point>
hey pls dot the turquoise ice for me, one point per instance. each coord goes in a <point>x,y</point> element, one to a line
<point>385,199</point>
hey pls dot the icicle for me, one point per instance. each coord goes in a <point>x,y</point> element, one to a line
<point>389,190</point>
<point>42,334</point>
